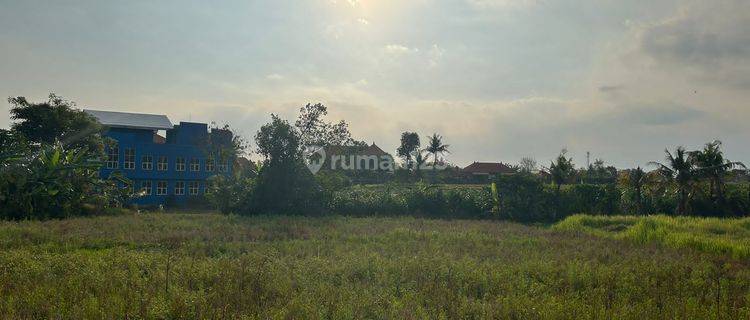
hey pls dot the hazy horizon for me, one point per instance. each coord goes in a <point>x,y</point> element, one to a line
<point>499,79</point>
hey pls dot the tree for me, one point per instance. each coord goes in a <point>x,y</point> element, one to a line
<point>680,169</point>
<point>419,161</point>
<point>527,164</point>
<point>225,145</point>
<point>711,164</point>
<point>561,170</point>
<point>435,146</point>
<point>409,144</point>
<point>314,131</point>
<point>284,184</point>
<point>55,120</point>
<point>636,179</point>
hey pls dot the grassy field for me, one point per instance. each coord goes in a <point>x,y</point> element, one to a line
<point>729,237</point>
<point>213,266</point>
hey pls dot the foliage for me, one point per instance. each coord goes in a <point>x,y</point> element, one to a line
<point>419,200</point>
<point>679,169</point>
<point>284,185</point>
<point>230,194</point>
<point>208,266</point>
<point>226,143</point>
<point>527,164</point>
<point>409,144</point>
<point>561,169</point>
<point>523,198</point>
<point>633,183</point>
<point>52,183</point>
<point>314,131</point>
<point>436,147</point>
<point>55,120</point>
<point>711,164</point>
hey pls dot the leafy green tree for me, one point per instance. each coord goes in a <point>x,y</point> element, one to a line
<point>712,165</point>
<point>436,147</point>
<point>561,171</point>
<point>284,184</point>
<point>679,169</point>
<point>230,194</point>
<point>314,131</point>
<point>55,120</point>
<point>409,144</point>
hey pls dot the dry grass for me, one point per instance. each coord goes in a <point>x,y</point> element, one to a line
<point>211,266</point>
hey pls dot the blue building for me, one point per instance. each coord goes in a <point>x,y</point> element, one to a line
<point>170,169</point>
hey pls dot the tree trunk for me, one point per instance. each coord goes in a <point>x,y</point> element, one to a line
<point>557,202</point>
<point>681,202</point>
<point>639,201</point>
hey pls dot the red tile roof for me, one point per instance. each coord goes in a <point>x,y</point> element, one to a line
<point>488,168</point>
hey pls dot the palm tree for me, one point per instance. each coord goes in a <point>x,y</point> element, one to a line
<point>636,179</point>
<point>435,146</point>
<point>419,161</point>
<point>680,169</point>
<point>712,165</point>
<point>561,170</point>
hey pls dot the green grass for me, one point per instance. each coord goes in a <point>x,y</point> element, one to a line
<point>729,237</point>
<point>157,266</point>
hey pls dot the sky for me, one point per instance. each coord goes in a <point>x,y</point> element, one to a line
<point>498,79</point>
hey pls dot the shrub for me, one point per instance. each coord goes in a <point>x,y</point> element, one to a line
<point>524,198</point>
<point>52,183</point>
<point>229,194</point>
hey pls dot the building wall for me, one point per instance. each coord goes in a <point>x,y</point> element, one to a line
<point>188,141</point>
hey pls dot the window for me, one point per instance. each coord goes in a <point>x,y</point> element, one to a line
<point>193,188</point>
<point>179,164</point>
<point>146,188</point>
<point>129,161</point>
<point>147,162</point>
<point>162,164</point>
<point>195,164</point>
<point>210,164</point>
<point>113,157</point>
<point>224,165</point>
<point>179,188</point>
<point>161,188</point>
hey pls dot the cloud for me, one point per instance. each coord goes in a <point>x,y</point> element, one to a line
<point>657,114</point>
<point>495,4</point>
<point>706,41</point>
<point>608,89</point>
<point>397,49</point>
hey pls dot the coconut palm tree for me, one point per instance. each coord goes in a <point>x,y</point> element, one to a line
<point>435,146</point>
<point>712,165</point>
<point>419,161</point>
<point>680,169</point>
<point>636,179</point>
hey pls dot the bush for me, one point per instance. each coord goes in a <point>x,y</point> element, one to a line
<point>523,198</point>
<point>53,183</point>
<point>229,194</point>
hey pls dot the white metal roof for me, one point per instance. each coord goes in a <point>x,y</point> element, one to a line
<point>131,120</point>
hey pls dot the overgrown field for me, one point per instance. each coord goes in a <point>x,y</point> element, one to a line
<point>214,266</point>
<point>723,236</point>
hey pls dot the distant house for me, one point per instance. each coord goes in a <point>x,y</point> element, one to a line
<point>486,170</point>
<point>169,169</point>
